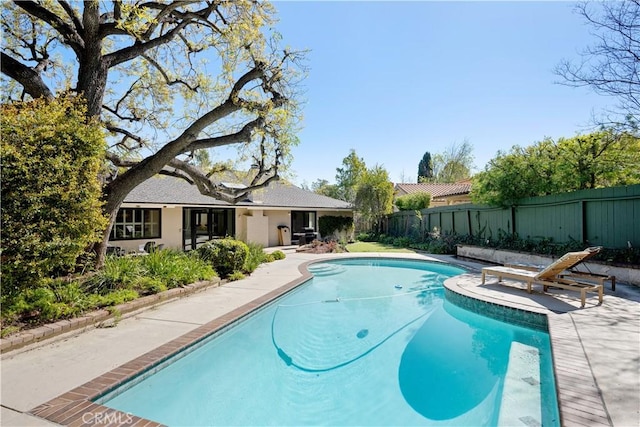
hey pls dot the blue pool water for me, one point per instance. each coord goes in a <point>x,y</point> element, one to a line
<point>365,342</point>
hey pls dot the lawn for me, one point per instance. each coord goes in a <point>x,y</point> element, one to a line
<point>375,247</point>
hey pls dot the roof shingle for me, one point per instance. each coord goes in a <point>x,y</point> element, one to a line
<point>436,190</point>
<point>175,191</point>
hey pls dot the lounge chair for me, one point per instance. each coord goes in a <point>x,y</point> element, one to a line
<point>575,274</point>
<point>554,275</point>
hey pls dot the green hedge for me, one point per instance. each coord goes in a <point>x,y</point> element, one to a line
<point>51,209</point>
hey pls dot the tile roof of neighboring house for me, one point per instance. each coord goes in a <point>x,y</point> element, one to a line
<point>175,191</point>
<point>436,190</point>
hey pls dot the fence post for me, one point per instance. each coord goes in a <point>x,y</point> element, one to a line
<point>583,219</point>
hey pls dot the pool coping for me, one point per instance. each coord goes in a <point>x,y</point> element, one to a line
<point>76,407</point>
<point>580,400</point>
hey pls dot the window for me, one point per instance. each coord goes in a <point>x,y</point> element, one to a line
<point>301,220</point>
<point>136,224</point>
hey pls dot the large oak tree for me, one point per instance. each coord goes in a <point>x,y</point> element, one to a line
<point>611,65</point>
<point>167,80</point>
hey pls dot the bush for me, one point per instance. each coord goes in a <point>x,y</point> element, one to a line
<point>278,255</point>
<point>255,257</point>
<point>226,255</point>
<point>117,273</point>
<point>236,275</point>
<point>149,285</point>
<point>413,202</point>
<point>175,268</point>
<point>367,237</point>
<point>51,209</point>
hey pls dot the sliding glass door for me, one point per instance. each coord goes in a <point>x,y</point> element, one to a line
<point>203,224</point>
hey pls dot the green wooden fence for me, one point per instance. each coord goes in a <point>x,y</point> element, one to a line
<point>608,217</point>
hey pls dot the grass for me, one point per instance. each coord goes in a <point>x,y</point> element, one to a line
<point>375,247</point>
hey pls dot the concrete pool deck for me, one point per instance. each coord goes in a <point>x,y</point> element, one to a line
<point>596,349</point>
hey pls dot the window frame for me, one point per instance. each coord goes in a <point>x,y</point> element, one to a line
<point>137,216</point>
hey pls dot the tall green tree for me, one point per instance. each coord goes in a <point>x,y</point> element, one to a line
<point>349,176</point>
<point>374,197</point>
<point>599,159</point>
<point>166,79</point>
<point>425,168</point>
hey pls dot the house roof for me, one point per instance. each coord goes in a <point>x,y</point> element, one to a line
<point>174,191</point>
<point>436,190</point>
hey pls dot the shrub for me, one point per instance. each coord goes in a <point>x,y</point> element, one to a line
<point>278,255</point>
<point>51,209</point>
<point>269,258</point>
<point>413,202</point>
<point>149,285</point>
<point>113,298</point>
<point>226,255</point>
<point>367,237</point>
<point>175,268</point>
<point>117,273</point>
<point>236,275</point>
<point>255,257</point>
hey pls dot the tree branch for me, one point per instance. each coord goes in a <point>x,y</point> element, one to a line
<point>71,36</point>
<point>28,78</point>
<point>166,77</point>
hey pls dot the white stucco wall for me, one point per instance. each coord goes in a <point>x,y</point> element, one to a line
<point>255,225</point>
<point>277,218</point>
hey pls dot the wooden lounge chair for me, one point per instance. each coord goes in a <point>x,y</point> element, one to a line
<point>578,275</point>
<point>554,275</point>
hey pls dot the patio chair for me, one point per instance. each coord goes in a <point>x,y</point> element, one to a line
<point>554,275</point>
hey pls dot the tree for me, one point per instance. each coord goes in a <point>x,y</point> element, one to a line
<point>51,210</point>
<point>453,164</point>
<point>612,65</point>
<point>425,168</point>
<point>374,197</point>
<point>523,172</point>
<point>599,159</point>
<point>147,70</point>
<point>349,176</point>
<point>322,186</point>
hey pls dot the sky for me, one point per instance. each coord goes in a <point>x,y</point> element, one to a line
<point>393,80</point>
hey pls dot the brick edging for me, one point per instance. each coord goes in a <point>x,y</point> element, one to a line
<point>95,318</point>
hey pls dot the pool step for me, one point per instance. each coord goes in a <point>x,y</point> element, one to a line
<point>326,269</point>
<point>519,406</point>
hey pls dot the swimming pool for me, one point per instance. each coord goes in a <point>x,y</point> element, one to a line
<point>365,342</point>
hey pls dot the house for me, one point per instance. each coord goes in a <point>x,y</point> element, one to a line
<point>441,194</point>
<point>171,212</point>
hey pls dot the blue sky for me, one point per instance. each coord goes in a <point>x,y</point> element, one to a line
<point>395,79</point>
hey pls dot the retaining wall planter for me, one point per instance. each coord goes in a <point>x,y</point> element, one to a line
<point>630,275</point>
<point>99,317</point>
